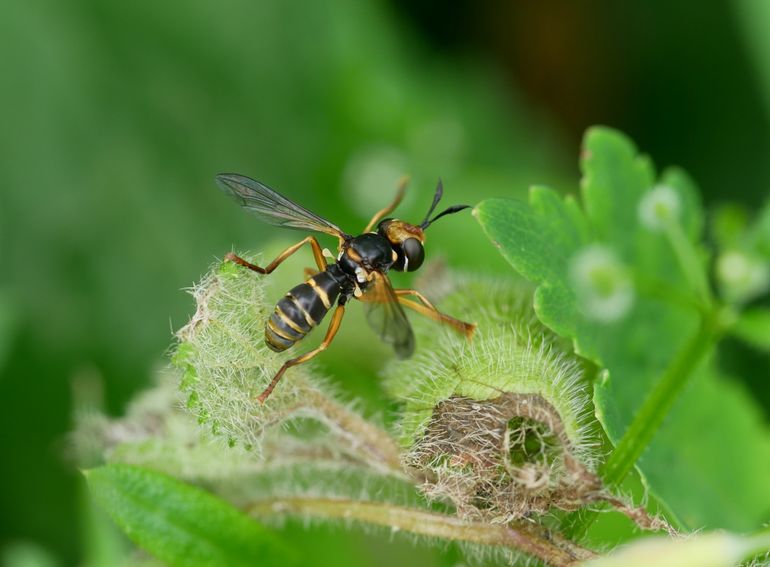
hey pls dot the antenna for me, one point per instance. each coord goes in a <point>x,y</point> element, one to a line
<point>436,198</point>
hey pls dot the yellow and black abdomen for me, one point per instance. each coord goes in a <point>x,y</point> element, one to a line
<point>300,310</point>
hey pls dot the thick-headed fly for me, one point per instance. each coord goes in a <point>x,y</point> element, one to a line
<point>359,270</point>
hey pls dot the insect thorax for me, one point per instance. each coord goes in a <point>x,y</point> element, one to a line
<point>369,251</point>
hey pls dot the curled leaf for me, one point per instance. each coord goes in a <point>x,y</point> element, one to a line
<point>226,364</point>
<point>499,424</point>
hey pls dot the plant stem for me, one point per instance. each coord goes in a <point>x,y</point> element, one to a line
<point>652,412</point>
<point>657,405</point>
<point>523,537</point>
<point>373,441</point>
<point>690,263</point>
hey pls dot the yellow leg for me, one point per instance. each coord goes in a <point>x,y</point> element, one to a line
<point>334,326</point>
<point>379,215</point>
<point>317,254</point>
<point>429,310</point>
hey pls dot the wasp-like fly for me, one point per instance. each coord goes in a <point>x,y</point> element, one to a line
<point>359,270</point>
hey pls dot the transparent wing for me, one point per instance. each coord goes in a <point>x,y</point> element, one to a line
<point>273,208</point>
<point>386,317</point>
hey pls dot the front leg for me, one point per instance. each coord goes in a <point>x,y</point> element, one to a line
<point>379,215</point>
<point>317,254</point>
<point>429,310</point>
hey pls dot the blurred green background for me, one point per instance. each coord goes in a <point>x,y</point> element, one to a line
<point>115,117</point>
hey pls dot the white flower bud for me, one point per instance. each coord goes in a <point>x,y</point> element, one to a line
<point>742,276</point>
<point>602,284</point>
<point>659,207</point>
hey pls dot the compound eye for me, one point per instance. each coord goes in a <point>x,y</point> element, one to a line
<point>414,253</point>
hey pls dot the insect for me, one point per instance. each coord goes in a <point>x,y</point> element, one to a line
<point>358,271</point>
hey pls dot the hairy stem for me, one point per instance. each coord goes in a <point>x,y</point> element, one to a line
<point>374,442</point>
<point>523,537</point>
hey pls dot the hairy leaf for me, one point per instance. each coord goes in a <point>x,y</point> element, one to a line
<point>511,352</point>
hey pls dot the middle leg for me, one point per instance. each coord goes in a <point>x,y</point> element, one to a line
<point>427,309</point>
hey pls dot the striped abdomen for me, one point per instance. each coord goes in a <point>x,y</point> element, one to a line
<point>300,310</point>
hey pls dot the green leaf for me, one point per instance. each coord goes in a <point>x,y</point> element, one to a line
<point>614,180</point>
<point>611,280</point>
<point>711,459</point>
<point>753,327</point>
<point>728,225</point>
<point>181,524</point>
<point>8,323</point>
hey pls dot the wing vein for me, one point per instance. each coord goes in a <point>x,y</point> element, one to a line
<point>272,207</point>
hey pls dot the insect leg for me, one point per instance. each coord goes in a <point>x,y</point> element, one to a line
<point>317,254</point>
<point>429,310</point>
<point>379,215</point>
<point>334,326</point>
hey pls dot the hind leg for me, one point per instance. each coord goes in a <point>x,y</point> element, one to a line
<point>317,254</point>
<point>334,326</point>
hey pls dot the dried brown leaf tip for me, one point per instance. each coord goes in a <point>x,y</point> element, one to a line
<point>503,427</point>
<point>501,459</point>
